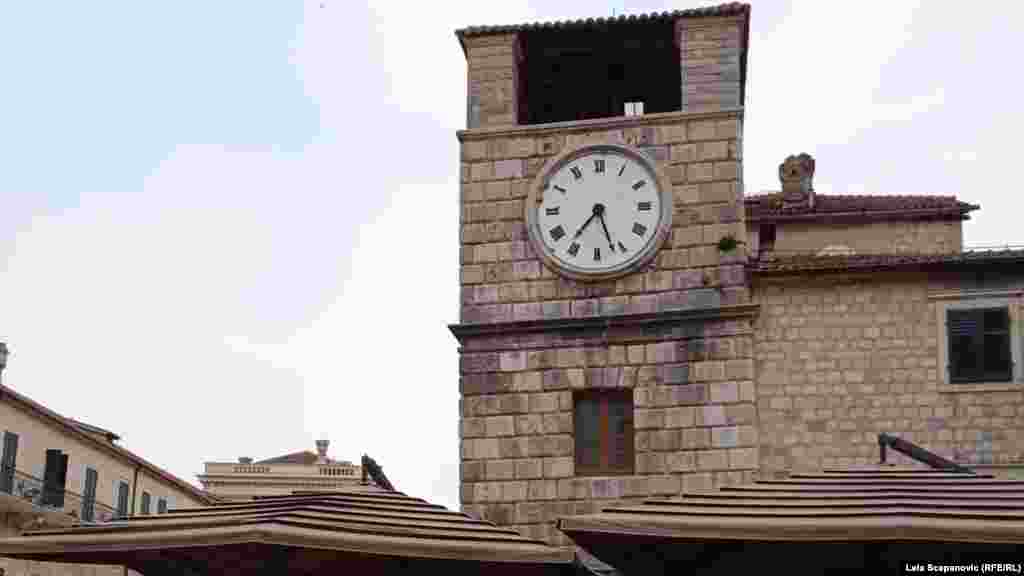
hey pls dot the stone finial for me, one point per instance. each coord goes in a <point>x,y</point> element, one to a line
<point>797,175</point>
<point>321,450</point>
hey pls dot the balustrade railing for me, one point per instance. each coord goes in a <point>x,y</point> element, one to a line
<point>32,489</point>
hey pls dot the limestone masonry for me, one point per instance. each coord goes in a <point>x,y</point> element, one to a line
<point>770,334</point>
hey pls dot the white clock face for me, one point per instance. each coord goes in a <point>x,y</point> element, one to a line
<point>600,212</point>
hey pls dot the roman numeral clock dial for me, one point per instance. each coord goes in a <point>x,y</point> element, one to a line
<point>598,212</point>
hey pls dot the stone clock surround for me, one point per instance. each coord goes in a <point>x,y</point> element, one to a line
<point>677,332</point>
<point>535,196</point>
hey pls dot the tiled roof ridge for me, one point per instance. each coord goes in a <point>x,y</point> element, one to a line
<point>808,261</point>
<point>767,195</point>
<point>727,9</point>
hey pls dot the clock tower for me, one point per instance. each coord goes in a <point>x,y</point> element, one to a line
<point>606,324</point>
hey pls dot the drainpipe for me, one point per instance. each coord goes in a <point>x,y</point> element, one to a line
<point>135,485</point>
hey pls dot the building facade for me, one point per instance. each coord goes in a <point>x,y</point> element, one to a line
<point>57,471</point>
<point>279,476</point>
<point>732,336</point>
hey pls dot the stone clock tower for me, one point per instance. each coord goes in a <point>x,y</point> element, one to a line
<point>605,331</point>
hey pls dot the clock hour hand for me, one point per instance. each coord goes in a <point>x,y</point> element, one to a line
<point>584,227</point>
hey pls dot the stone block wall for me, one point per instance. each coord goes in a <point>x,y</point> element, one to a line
<point>502,280</point>
<point>694,416</point>
<point>842,358</point>
<point>711,52</point>
<point>693,392</point>
<point>492,90</point>
<point>923,236</point>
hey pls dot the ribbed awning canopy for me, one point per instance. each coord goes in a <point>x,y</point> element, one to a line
<point>365,530</point>
<point>862,515</point>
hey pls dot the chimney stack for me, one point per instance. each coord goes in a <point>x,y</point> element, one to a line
<point>321,450</point>
<point>4,353</point>
<point>797,175</point>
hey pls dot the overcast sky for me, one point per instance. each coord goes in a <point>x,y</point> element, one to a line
<point>227,228</point>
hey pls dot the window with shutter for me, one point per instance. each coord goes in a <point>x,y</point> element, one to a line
<point>122,499</point>
<point>7,462</point>
<point>979,345</point>
<point>53,478</point>
<point>603,423</point>
<point>89,495</point>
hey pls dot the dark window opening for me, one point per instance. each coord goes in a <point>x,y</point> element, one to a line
<point>603,423</point>
<point>766,237</point>
<point>979,345</point>
<point>595,73</point>
<point>55,476</point>
<point>161,506</point>
<point>145,503</point>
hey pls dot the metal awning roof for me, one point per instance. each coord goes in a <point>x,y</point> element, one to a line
<point>363,528</point>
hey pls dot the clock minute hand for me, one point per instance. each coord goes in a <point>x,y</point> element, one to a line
<point>606,234</point>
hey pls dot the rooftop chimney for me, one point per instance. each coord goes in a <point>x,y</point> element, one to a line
<point>4,353</point>
<point>245,460</point>
<point>797,175</point>
<point>321,450</point>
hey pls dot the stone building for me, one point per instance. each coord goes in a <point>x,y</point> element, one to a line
<point>633,325</point>
<point>56,471</point>
<point>281,475</point>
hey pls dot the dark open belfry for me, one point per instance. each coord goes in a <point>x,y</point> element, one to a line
<point>593,73</point>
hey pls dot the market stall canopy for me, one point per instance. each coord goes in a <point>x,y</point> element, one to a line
<point>364,529</point>
<point>861,519</point>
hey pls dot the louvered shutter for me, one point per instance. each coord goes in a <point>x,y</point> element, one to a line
<point>50,477</point>
<point>8,461</point>
<point>122,500</point>
<point>89,495</point>
<point>62,481</point>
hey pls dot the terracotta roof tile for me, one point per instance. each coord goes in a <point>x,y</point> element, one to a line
<point>729,9</point>
<point>836,263</point>
<point>769,207</point>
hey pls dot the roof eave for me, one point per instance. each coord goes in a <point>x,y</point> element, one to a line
<point>53,547</point>
<point>862,215</point>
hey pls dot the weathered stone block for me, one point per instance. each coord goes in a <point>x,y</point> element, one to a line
<point>500,426</point>
<point>501,469</point>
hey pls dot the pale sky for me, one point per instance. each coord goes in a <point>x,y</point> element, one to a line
<point>229,227</point>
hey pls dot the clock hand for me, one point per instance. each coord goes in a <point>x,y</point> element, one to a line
<point>584,227</point>
<point>606,234</point>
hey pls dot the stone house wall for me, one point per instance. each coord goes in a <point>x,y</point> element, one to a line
<point>921,236</point>
<point>841,358</point>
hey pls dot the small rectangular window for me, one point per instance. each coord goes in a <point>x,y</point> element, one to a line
<point>979,345</point>
<point>603,423</point>
<point>144,505</point>
<point>161,506</point>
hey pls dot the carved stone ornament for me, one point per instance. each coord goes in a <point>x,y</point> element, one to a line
<point>797,175</point>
